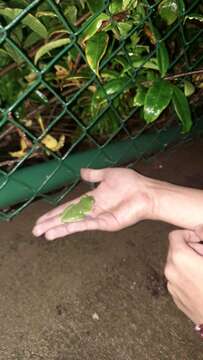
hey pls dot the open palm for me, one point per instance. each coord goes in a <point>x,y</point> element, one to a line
<point>121,199</point>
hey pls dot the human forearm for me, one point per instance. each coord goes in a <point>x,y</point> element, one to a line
<point>177,205</point>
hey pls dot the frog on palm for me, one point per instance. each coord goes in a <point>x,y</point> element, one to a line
<point>78,211</point>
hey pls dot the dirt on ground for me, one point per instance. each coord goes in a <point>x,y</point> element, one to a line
<point>96,295</point>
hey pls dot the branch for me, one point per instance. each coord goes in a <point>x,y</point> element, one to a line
<point>184,74</point>
<point>15,161</point>
<point>7,131</point>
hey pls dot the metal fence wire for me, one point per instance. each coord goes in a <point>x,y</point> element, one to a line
<point>49,125</point>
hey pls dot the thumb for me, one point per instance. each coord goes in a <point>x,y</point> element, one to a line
<point>92,175</point>
<point>180,238</point>
<point>199,231</point>
<point>197,247</point>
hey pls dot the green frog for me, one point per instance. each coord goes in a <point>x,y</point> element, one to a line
<point>78,211</point>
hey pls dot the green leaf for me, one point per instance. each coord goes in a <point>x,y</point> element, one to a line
<point>127,4</point>
<point>31,39</point>
<point>139,98</point>
<point>124,28</point>
<point>71,13</point>
<point>29,20</point>
<point>46,13</point>
<point>116,86</point>
<point>189,88</point>
<point>41,97</point>
<point>110,89</point>
<point>150,64</point>
<point>109,74</point>
<point>157,99</point>
<point>50,46</point>
<point>3,52</point>
<point>4,59</point>
<point>18,3</point>
<point>162,57</point>
<point>96,6</point>
<point>94,26</point>
<point>151,75</point>
<point>168,10</point>
<point>96,49</point>
<point>181,7</point>
<point>116,6</point>
<point>197,17</point>
<point>17,35</point>
<point>82,3</point>
<point>182,109</point>
<point>13,53</point>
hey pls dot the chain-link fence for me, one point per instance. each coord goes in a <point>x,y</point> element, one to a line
<point>75,89</point>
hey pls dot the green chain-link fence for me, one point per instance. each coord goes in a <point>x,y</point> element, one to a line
<point>63,103</point>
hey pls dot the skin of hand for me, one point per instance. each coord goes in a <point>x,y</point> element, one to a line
<point>178,205</point>
<point>121,199</point>
<point>184,272</point>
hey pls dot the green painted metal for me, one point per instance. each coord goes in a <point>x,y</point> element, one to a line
<point>21,184</point>
<point>26,183</point>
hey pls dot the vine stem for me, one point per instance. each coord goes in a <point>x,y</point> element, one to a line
<point>184,74</point>
<point>15,161</point>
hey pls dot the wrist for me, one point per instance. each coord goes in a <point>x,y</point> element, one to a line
<point>169,203</point>
<point>154,193</point>
<point>150,198</point>
<point>161,197</point>
<point>175,204</point>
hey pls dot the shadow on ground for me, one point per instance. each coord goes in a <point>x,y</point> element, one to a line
<point>95,296</point>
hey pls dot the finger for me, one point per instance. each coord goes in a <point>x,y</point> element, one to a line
<point>176,297</point>
<point>169,255</point>
<point>179,239</point>
<point>199,231</point>
<point>58,210</point>
<point>182,307</point>
<point>93,175</point>
<point>197,247</point>
<point>45,225</point>
<point>171,289</point>
<point>181,251</point>
<point>68,229</point>
<point>50,222</point>
<point>177,242</point>
<point>192,237</point>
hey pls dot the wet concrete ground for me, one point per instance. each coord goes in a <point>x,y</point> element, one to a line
<point>95,296</point>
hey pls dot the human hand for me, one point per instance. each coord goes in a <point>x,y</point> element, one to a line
<point>121,199</point>
<point>184,272</point>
